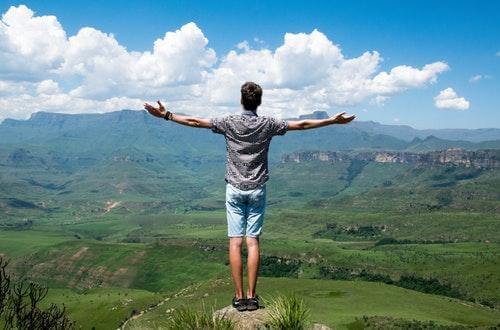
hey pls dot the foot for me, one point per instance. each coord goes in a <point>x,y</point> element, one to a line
<point>239,304</point>
<point>253,303</point>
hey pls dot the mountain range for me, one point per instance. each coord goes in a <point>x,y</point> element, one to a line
<point>88,135</point>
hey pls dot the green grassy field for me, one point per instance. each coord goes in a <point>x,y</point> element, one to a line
<point>102,308</point>
<point>334,303</point>
<point>122,235</point>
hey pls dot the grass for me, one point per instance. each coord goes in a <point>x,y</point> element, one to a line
<point>102,308</point>
<point>169,232</point>
<point>86,264</point>
<point>287,312</point>
<point>15,244</point>
<point>336,303</point>
<point>189,319</point>
<point>470,266</point>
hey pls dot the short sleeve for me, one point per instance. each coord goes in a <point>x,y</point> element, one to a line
<point>278,126</point>
<point>218,125</point>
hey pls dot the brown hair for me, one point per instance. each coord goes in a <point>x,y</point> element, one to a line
<point>251,95</point>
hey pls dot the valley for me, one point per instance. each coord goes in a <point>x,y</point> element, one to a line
<point>114,220</point>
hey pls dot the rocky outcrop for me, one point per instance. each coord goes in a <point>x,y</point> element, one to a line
<point>253,320</point>
<point>485,159</point>
<point>244,320</point>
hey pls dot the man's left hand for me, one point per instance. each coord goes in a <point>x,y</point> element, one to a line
<point>159,111</point>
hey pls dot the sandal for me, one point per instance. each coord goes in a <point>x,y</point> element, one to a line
<point>239,304</point>
<point>253,303</point>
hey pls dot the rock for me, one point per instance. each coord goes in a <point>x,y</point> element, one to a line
<point>244,320</point>
<point>253,320</point>
<point>485,159</point>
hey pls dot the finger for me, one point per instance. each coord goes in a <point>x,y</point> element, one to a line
<point>340,114</point>
<point>159,103</point>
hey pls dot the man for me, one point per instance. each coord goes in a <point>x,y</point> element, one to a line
<point>247,140</point>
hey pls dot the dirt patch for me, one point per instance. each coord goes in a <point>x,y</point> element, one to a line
<point>138,257</point>
<point>79,253</point>
<point>111,205</point>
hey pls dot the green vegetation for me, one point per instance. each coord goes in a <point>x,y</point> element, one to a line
<point>287,312</point>
<point>334,303</point>
<point>20,305</point>
<point>189,319</point>
<point>114,222</point>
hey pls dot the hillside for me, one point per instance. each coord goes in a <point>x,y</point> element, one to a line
<point>120,212</point>
<point>93,134</point>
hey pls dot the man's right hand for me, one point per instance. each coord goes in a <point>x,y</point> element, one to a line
<point>159,111</point>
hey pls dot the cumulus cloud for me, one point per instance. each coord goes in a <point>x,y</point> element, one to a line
<point>44,69</point>
<point>448,99</point>
<point>179,58</point>
<point>309,72</point>
<point>30,46</point>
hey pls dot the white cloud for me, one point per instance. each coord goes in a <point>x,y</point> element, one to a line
<point>379,100</point>
<point>44,69</point>
<point>10,87</point>
<point>498,53</point>
<point>48,86</point>
<point>475,78</point>
<point>313,70</point>
<point>243,45</point>
<point>30,46</point>
<point>478,77</point>
<point>180,58</point>
<point>448,99</point>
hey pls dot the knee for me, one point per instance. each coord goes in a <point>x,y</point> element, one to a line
<point>252,242</point>
<point>235,242</point>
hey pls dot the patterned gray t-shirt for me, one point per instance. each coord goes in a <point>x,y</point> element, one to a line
<point>247,143</point>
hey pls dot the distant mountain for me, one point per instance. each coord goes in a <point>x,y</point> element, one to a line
<point>60,163</point>
<point>409,133</point>
<point>95,135</point>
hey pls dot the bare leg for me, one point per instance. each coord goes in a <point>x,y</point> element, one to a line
<point>252,264</point>
<point>236,265</point>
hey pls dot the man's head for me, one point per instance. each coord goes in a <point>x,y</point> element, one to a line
<point>251,95</point>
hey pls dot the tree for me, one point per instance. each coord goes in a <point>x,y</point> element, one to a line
<point>19,305</point>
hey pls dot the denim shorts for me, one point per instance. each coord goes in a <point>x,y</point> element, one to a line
<point>245,211</point>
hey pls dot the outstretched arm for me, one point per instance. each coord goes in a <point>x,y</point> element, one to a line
<point>339,118</point>
<point>160,112</point>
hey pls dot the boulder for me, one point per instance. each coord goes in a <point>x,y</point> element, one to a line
<point>253,320</point>
<point>248,320</point>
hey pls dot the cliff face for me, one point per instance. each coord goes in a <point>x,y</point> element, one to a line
<point>486,159</point>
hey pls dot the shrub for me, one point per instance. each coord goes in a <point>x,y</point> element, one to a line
<point>188,319</point>
<point>387,322</point>
<point>19,305</point>
<point>279,267</point>
<point>287,312</point>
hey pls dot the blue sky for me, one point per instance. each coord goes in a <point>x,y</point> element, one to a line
<point>464,35</point>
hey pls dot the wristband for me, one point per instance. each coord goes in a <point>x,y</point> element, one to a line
<point>168,115</point>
